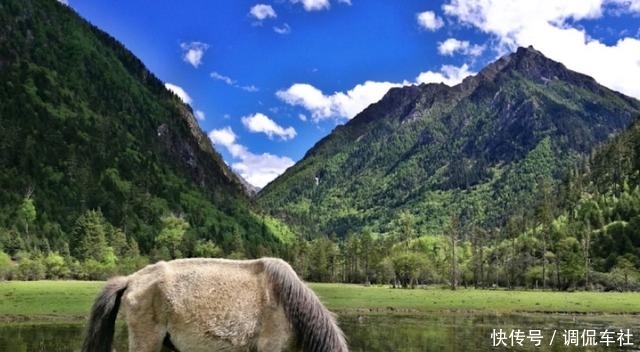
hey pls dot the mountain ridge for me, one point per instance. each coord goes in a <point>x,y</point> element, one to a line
<point>421,140</point>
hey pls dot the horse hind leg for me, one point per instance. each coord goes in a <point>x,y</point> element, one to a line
<point>146,338</point>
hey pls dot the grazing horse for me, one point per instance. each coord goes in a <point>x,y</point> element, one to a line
<point>193,305</point>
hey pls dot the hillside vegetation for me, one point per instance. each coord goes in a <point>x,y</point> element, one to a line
<point>490,182</point>
<point>100,165</point>
<point>431,150</point>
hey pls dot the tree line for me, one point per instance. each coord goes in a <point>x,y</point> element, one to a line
<point>593,246</point>
<point>95,249</point>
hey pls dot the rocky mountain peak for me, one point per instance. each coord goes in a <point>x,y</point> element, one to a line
<point>535,66</point>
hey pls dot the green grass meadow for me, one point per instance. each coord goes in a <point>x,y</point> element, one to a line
<point>46,300</point>
<point>341,297</point>
<point>71,300</point>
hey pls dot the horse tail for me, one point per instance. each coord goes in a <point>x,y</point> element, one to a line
<point>315,327</point>
<point>102,319</point>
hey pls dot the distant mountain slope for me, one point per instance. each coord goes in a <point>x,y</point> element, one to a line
<point>615,165</point>
<point>432,150</point>
<point>84,125</point>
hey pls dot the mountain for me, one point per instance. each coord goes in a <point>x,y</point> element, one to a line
<point>601,211</point>
<point>480,149</point>
<point>250,189</point>
<point>85,126</point>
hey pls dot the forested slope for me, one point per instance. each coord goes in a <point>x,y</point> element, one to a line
<point>90,138</point>
<point>432,150</point>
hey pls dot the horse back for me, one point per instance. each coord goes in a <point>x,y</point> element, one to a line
<point>209,304</point>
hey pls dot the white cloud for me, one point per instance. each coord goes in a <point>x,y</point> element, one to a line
<point>547,25</point>
<point>200,115</point>
<point>250,88</point>
<point>258,170</point>
<point>429,20</point>
<point>505,17</point>
<point>193,52</point>
<point>313,5</point>
<point>309,97</point>
<point>261,169</point>
<point>346,105</point>
<point>261,123</point>
<point>452,45</point>
<point>449,75</point>
<point>223,78</point>
<point>262,12</point>
<point>362,95</point>
<point>339,104</point>
<point>224,137</point>
<point>285,29</point>
<point>177,90</point>
<point>64,2</point>
<point>232,82</point>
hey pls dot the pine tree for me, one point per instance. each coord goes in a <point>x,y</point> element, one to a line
<point>88,238</point>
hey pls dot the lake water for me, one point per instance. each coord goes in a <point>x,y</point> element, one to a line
<point>394,332</point>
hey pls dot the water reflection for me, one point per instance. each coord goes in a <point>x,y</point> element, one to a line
<point>485,332</point>
<point>393,332</point>
<point>40,337</point>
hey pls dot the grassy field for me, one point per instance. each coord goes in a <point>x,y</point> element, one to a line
<point>46,300</point>
<point>342,297</point>
<point>71,300</point>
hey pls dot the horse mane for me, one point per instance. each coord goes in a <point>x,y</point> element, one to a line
<point>315,327</point>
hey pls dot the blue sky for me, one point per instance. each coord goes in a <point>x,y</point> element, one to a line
<point>268,79</point>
